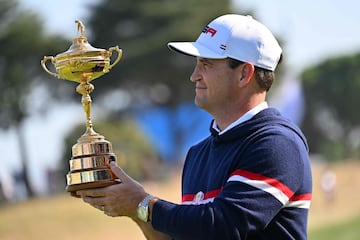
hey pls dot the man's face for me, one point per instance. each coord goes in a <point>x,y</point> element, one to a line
<point>216,84</point>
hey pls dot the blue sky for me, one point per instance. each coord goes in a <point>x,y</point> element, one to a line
<point>312,31</point>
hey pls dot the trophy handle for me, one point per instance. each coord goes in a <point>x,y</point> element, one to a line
<point>119,55</point>
<point>43,64</point>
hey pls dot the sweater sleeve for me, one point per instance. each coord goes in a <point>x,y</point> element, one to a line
<point>260,185</point>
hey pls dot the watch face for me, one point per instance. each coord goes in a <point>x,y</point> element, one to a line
<point>142,213</point>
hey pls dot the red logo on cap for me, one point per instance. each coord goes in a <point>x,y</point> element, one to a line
<point>210,30</point>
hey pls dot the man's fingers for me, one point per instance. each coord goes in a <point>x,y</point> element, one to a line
<point>98,192</point>
<point>118,172</point>
<point>100,207</point>
<point>94,201</point>
<point>74,194</point>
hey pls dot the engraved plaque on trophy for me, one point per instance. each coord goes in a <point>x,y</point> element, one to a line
<point>91,155</point>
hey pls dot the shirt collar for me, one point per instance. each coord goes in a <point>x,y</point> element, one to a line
<point>248,115</point>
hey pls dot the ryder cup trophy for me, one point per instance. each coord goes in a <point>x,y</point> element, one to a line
<point>91,155</point>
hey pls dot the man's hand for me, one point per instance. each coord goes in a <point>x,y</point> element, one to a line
<point>116,200</point>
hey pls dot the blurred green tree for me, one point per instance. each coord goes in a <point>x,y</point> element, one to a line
<point>332,118</point>
<point>22,44</point>
<point>142,29</point>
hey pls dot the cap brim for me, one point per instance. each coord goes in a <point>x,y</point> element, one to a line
<point>194,49</point>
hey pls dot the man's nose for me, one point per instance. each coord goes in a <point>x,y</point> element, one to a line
<point>195,76</point>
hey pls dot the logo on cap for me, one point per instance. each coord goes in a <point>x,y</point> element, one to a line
<point>210,30</point>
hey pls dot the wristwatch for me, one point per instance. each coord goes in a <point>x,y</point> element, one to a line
<point>143,208</point>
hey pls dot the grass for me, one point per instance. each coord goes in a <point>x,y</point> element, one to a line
<point>348,230</point>
<point>62,217</point>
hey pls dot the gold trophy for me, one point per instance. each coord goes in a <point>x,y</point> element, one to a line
<point>91,155</point>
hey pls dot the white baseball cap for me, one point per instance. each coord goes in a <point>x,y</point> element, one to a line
<point>234,36</point>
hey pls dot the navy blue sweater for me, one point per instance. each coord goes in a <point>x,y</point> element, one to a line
<point>252,182</point>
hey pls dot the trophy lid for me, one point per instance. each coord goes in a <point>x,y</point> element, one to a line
<point>80,44</point>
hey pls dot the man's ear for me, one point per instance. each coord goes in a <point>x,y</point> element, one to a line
<point>246,73</point>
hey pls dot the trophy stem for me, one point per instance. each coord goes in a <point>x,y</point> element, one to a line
<point>85,88</point>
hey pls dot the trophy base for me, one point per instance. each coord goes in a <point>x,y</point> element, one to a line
<point>89,166</point>
<point>89,179</point>
<point>72,189</point>
<point>97,184</point>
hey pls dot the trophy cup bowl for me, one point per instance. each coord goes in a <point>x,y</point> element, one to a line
<point>92,154</point>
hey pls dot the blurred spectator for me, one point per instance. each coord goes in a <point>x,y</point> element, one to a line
<point>328,185</point>
<point>7,187</point>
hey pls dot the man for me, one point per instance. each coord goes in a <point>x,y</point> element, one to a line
<point>251,178</point>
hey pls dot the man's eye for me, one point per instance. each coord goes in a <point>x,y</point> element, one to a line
<point>205,63</point>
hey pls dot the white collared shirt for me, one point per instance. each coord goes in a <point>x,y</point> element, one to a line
<point>248,115</point>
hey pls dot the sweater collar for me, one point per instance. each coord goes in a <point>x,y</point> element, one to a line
<point>261,119</point>
<point>248,115</point>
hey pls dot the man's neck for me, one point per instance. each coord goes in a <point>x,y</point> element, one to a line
<point>227,116</point>
<point>248,115</point>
